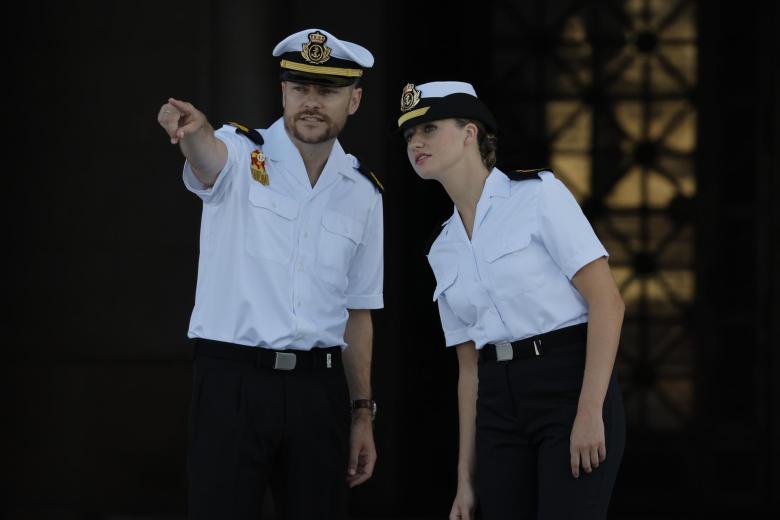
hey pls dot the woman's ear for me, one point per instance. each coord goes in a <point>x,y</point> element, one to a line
<point>471,133</point>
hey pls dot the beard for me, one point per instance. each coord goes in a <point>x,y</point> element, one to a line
<point>329,131</point>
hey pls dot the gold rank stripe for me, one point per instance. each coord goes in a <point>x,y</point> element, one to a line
<point>315,69</point>
<point>414,113</point>
<point>239,126</point>
<point>376,180</point>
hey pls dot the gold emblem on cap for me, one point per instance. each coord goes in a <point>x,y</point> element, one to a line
<point>316,51</point>
<point>409,97</point>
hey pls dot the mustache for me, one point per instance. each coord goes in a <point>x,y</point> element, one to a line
<point>305,113</point>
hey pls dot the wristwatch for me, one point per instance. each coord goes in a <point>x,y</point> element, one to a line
<point>365,403</point>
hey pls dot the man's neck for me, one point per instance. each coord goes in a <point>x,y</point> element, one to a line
<point>314,156</point>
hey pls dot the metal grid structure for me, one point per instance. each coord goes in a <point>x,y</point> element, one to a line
<point>613,86</point>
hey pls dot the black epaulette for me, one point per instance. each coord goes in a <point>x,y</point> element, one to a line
<point>526,175</point>
<point>368,174</point>
<point>436,232</point>
<point>251,133</point>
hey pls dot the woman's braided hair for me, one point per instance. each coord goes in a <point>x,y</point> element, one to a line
<point>488,143</point>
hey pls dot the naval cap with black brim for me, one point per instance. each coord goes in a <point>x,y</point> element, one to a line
<point>442,100</point>
<point>316,56</point>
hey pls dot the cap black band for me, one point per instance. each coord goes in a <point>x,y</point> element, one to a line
<point>457,105</point>
<point>316,79</point>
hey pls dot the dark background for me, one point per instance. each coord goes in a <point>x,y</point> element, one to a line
<point>101,243</point>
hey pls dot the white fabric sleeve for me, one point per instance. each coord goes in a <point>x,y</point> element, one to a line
<point>366,272</point>
<point>564,230</point>
<point>455,330</point>
<point>227,135</point>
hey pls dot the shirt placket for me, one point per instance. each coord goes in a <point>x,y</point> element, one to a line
<point>495,326</point>
<point>301,267</point>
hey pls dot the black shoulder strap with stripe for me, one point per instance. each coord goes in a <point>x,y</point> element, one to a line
<point>526,175</point>
<point>251,133</point>
<point>371,176</point>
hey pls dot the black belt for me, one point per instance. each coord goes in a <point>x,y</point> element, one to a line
<point>535,345</point>
<point>315,358</point>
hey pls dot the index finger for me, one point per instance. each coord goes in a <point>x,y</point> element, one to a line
<point>182,106</point>
<point>357,479</point>
<point>574,462</point>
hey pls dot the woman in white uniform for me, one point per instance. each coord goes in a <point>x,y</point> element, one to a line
<point>526,297</point>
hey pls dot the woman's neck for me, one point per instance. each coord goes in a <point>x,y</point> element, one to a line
<point>464,184</point>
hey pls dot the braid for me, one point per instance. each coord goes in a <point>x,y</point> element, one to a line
<point>488,143</point>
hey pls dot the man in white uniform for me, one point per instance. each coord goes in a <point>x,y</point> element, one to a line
<point>290,266</point>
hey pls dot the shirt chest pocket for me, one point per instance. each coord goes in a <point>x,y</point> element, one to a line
<point>454,291</point>
<point>516,263</point>
<point>270,224</point>
<point>445,278</point>
<point>339,239</point>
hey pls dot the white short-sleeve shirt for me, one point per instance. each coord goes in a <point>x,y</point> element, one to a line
<point>281,263</point>
<point>512,280</point>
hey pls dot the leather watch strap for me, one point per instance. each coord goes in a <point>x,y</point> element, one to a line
<point>369,404</point>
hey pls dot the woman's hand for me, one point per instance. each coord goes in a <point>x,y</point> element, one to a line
<point>587,445</point>
<point>463,505</point>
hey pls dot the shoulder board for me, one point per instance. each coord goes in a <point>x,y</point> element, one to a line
<point>251,133</point>
<point>526,175</point>
<point>436,232</point>
<point>368,174</point>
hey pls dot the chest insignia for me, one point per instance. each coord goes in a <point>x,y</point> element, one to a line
<point>259,172</point>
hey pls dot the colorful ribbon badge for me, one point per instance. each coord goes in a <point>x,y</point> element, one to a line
<point>258,168</point>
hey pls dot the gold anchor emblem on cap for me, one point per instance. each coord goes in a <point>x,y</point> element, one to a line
<point>316,51</point>
<point>409,97</point>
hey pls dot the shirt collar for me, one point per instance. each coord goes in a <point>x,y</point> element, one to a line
<point>279,148</point>
<point>497,184</point>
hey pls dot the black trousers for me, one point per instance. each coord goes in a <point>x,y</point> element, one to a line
<point>525,412</point>
<point>253,426</point>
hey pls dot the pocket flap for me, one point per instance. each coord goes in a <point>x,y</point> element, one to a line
<point>444,280</point>
<point>444,264</point>
<point>342,225</point>
<point>507,244</point>
<point>282,205</point>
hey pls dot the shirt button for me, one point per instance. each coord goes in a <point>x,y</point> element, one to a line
<point>298,304</point>
<point>273,204</point>
<point>305,234</point>
<point>300,268</point>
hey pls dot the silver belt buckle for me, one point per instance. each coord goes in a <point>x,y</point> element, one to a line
<point>504,352</point>
<point>284,361</point>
